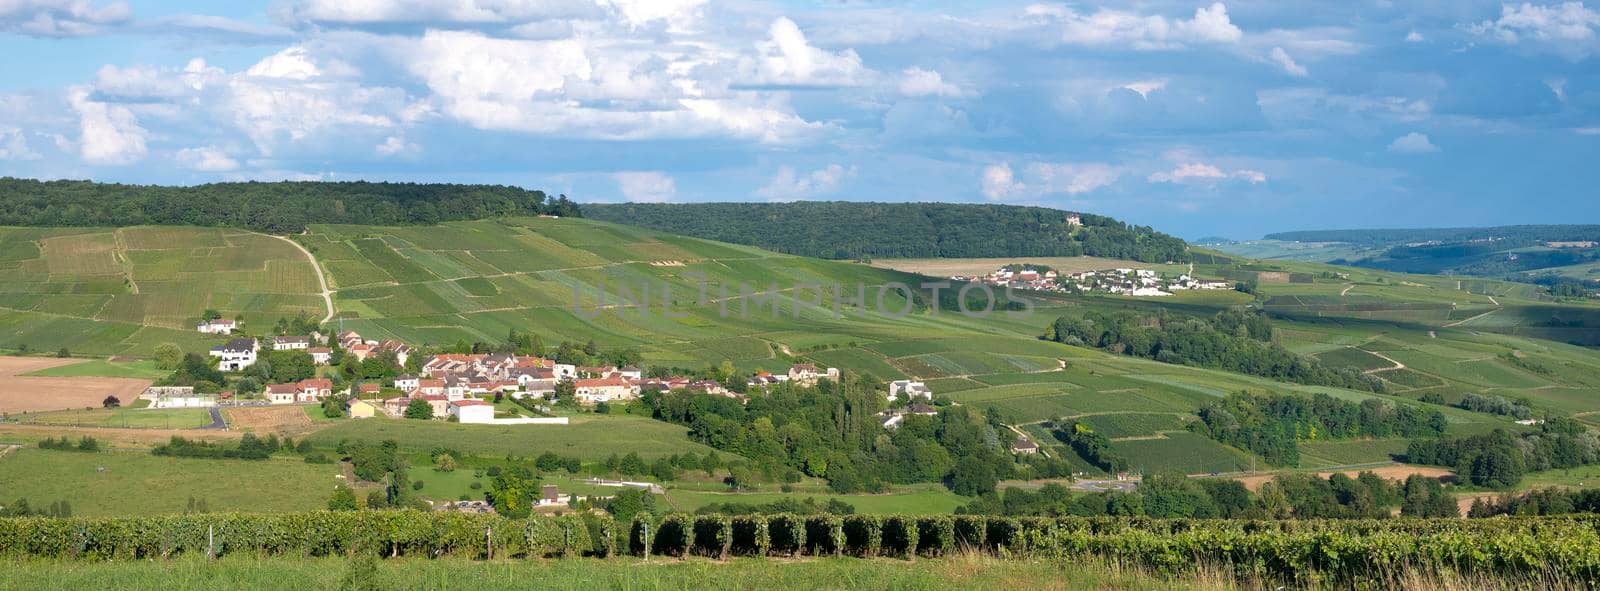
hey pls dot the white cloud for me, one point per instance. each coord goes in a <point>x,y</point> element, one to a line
<point>393,145</point>
<point>206,159</point>
<point>1281,57</point>
<point>109,133</point>
<point>1145,87</point>
<point>786,58</point>
<point>999,182</point>
<point>790,185</point>
<point>1412,143</point>
<point>1414,37</point>
<point>1072,178</point>
<point>1107,27</point>
<point>677,14</point>
<point>1567,29</point>
<point>13,146</point>
<point>293,63</point>
<point>919,82</point>
<point>1587,130</point>
<point>1195,172</point>
<point>60,18</point>
<point>645,186</point>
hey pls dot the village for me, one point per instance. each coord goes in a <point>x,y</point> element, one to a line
<point>469,388</point>
<point>1121,281</point>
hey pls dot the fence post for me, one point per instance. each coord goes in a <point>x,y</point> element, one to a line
<point>488,538</point>
<point>211,541</point>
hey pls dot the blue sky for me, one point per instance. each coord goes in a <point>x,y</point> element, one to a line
<point>1198,118</point>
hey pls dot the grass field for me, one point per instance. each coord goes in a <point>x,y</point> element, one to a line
<point>1181,451</point>
<point>138,483</point>
<point>132,418</point>
<point>101,368</point>
<point>590,437</point>
<point>965,572</point>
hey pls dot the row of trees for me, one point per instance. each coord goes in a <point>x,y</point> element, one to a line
<point>249,447</point>
<point>853,230</point>
<point>1089,444</point>
<point>1289,496</point>
<point>1271,425</point>
<point>284,207</point>
<point>1232,340</point>
<point>1500,458</point>
<point>1498,405</point>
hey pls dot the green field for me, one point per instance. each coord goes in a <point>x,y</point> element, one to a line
<point>137,418</point>
<point>590,437</point>
<point>1181,451</point>
<point>101,368</point>
<point>929,500</point>
<point>138,483</point>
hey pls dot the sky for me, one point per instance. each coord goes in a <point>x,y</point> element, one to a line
<point>1198,118</point>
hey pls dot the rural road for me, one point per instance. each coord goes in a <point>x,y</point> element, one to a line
<point>327,294</point>
<point>1397,364</point>
<point>216,420</point>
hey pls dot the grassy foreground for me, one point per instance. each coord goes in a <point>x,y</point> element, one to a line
<point>965,571</point>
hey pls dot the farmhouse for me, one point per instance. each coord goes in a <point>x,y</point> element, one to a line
<point>320,355</point>
<point>807,374</point>
<point>282,393</point>
<point>406,383</point>
<point>472,411</point>
<point>313,390</point>
<point>368,390</point>
<point>236,355</point>
<point>909,389</point>
<point>291,343</point>
<point>218,326</point>
<point>177,397</point>
<point>1025,446</point>
<point>595,390</point>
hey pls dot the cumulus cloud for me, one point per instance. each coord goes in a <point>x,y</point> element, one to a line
<point>645,186</point>
<point>13,146</point>
<point>999,182</point>
<point>1281,57</point>
<point>1412,143</point>
<point>789,184</point>
<point>1200,172</point>
<point>1072,178</point>
<point>60,18</point>
<point>206,159</point>
<point>1109,27</point>
<point>1414,37</point>
<point>1567,29</point>
<point>394,145</point>
<point>108,133</point>
<point>919,82</point>
<point>1145,87</point>
<point>786,58</point>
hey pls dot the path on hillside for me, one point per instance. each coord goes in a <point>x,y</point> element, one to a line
<point>327,294</point>
<point>1396,362</point>
<point>1347,289</point>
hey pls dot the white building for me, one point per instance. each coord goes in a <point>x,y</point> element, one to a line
<point>236,355</point>
<point>291,343</point>
<point>218,326</point>
<point>472,410</point>
<point>909,389</point>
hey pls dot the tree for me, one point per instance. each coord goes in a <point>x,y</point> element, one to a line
<point>419,409</point>
<point>444,463</point>
<point>513,492</point>
<point>291,366</point>
<point>168,356</point>
<point>1495,468</point>
<point>63,352</point>
<point>111,402</point>
<point>343,499</point>
<point>972,477</point>
<point>333,407</point>
<point>632,464</point>
<point>630,502</point>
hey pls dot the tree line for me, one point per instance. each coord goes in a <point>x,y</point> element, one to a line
<point>856,230</point>
<point>1500,458</point>
<point>1232,340</point>
<point>282,207</point>
<point>1271,425</point>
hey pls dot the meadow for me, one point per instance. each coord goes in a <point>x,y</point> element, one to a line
<point>591,437</point>
<point>116,483</point>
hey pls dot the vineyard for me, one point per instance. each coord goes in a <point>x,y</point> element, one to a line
<point>1360,552</point>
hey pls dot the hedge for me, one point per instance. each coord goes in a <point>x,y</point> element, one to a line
<point>1353,550</point>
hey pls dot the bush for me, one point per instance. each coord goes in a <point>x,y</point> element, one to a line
<point>788,533</point>
<point>674,535</point>
<point>751,536</point>
<point>900,535</point>
<point>971,531</point>
<point>713,534</point>
<point>936,535</point>
<point>864,534</point>
<point>825,534</point>
<point>641,535</point>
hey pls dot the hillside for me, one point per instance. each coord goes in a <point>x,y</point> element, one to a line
<point>280,207</point>
<point>852,230</point>
<point>1545,254</point>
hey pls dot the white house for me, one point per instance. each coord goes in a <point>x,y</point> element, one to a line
<point>236,355</point>
<point>407,383</point>
<point>291,343</point>
<point>218,326</point>
<point>472,410</point>
<point>595,390</point>
<point>320,355</point>
<point>807,374</point>
<point>282,393</point>
<point>909,389</point>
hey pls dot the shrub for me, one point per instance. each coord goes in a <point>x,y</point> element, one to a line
<point>751,536</point>
<point>788,533</point>
<point>971,531</point>
<point>864,534</point>
<point>825,534</point>
<point>641,535</point>
<point>674,535</point>
<point>900,535</point>
<point>713,534</point>
<point>936,535</point>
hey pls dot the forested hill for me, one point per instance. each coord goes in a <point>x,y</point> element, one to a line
<point>271,207</point>
<point>845,230</point>
<point>1388,237</point>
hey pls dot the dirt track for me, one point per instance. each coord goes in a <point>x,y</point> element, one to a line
<point>29,394</point>
<point>1393,472</point>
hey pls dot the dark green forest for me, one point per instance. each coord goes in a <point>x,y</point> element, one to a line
<point>852,230</point>
<point>283,207</point>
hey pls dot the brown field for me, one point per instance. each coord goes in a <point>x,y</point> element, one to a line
<point>268,419</point>
<point>977,267</point>
<point>1392,472</point>
<point>29,394</point>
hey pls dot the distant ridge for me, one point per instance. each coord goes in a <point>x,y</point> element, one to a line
<point>846,229</point>
<point>1380,237</point>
